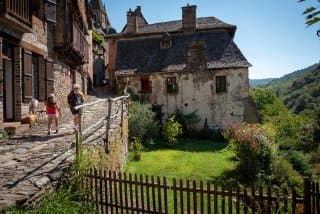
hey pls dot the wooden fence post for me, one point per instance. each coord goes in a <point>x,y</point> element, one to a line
<point>108,127</point>
<point>306,195</point>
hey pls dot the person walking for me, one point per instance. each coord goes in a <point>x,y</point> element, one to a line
<point>75,98</point>
<point>52,109</point>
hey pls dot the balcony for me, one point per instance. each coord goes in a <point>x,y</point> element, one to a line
<point>79,43</point>
<point>16,14</point>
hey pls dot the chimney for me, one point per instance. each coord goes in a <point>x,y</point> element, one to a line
<point>131,22</point>
<point>189,17</point>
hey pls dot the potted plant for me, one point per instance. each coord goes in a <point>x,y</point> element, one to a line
<point>136,147</point>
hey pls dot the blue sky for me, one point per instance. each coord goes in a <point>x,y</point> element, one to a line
<point>270,33</point>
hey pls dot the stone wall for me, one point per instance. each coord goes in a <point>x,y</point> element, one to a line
<point>119,133</point>
<point>117,147</point>
<point>37,40</point>
<point>1,82</point>
<point>197,92</point>
<point>62,83</point>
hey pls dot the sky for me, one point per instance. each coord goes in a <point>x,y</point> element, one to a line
<point>271,34</point>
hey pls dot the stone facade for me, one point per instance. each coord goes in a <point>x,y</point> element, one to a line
<point>38,69</point>
<point>102,26</point>
<point>189,65</point>
<point>197,92</point>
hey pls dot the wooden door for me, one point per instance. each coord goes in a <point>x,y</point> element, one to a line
<point>8,88</point>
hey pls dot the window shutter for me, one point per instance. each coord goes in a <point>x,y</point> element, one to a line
<point>49,77</point>
<point>42,79</point>
<point>27,75</point>
<point>51,11</point>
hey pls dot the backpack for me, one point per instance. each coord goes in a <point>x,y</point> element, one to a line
<point>74,99</point>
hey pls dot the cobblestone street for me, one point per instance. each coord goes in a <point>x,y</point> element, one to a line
<point>33,161</point>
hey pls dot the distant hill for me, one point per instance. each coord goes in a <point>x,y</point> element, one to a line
<point>298,90</point>
<point>260,82</point>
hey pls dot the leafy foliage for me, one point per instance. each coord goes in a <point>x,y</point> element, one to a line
<point>64,201</point>
<point>300,90</point>
<point>172,129</point>
<point>252,148</point>
<point>188,121</point>
<point>312,15</point>
<point>97,38</point>
<point>142,123</point>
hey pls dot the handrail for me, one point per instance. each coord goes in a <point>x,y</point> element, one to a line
<point>81,134</point>
<point>99,101</point>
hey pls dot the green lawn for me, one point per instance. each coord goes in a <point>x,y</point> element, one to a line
<point>189,159</point>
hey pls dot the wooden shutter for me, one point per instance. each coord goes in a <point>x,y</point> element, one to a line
<point>49,77</point>
<point>51,11</point>
<point>42,78</point>
<point>27,75</point>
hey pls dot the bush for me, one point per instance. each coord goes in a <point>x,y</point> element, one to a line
<point>188,122</point>
<point>252,149</point>
<point>283,174</point>
<point>142,123</point>
<point>172,130</point>
<point>299,162</point>
<point>206,133</point>
<point>136,147</point>
<point>289,126</point>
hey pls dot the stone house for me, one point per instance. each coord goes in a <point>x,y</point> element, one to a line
<point>189,65</point>
<point>45,47</point>
<point>103,27</point>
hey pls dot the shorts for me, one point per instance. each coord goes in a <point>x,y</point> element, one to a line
<point>74,111</point>
<point>52,116</point>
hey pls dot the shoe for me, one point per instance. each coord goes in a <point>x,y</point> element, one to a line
<point>57,131</point>
<point>48,133</point>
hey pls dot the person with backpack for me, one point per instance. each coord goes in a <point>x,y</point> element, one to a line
<point>52,109</point>
<point>75,98</point>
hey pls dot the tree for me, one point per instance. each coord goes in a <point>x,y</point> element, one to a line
<point>312,15</point>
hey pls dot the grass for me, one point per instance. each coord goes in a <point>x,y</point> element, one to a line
<point>63,201</point>
<point>189,159</point>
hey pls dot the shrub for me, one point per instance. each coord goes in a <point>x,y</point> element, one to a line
<point>188,121</point>
<point>172,129</point>
<point>284,174</point>
<point>299,162</point>
<point>136,147</point>
<point>142,123</point>
<point>289,126</point>
<point>207,133</point>
<point>252,149</point>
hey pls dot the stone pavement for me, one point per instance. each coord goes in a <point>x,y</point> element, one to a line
<point>32,162</point>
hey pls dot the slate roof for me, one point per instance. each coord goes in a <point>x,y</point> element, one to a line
<point>202,23</point>
<point>146,56</point>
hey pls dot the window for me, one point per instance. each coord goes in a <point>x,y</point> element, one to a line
<point>145,85</point>
<point>171,85</point>
<point>221,84</point>
<point>165,44</point>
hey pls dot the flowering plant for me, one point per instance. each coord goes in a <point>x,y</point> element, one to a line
<point>251,146</point>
